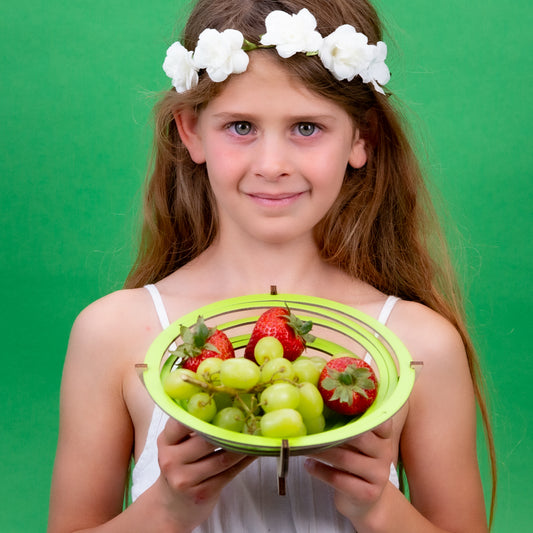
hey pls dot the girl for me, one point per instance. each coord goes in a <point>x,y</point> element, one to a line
<point>279,160</point>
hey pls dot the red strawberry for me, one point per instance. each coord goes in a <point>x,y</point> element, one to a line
<point>348,385</point>
<point>200,343</point>
<point>279,322</point>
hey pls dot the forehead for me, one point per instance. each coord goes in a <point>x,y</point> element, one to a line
<point>268,84</point>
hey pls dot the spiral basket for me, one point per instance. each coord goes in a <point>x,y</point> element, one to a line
<point>338,328</point>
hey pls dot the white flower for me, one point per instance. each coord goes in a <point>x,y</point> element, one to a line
<point>220,53</point>
<point>291,33</point>
<point>178,66</point>
<point>346,53</point>
<point>377,72</point>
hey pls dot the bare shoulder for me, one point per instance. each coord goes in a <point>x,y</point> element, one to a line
<point>427,334</point>
<point>114,324</point>
<point>435,341</point>
<point>113,310</point>
<point>108,337</point>
<point>101,343</point>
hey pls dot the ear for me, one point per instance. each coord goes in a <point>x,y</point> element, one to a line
<point>187,124</point>
<point>358,155</point>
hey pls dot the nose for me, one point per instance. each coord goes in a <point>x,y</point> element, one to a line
<point>272,159</point>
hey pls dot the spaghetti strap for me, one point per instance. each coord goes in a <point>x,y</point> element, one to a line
<point>383,317</point>
<point>146,470</point>
<point>159,306</point>
<point>160,309</point>
<point>387,308</point>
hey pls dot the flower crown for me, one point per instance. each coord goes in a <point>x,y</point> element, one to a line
<point>345,52</point>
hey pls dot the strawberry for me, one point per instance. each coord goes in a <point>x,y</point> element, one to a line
<point>348,385</point>
<point>200,343</point>
<point>279,322</point>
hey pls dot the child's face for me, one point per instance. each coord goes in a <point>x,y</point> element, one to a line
<point>276,154</point>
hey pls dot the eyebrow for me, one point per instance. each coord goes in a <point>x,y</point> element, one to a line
<point>239,115</point>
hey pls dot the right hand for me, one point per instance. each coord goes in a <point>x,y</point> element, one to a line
<point>193,473</point>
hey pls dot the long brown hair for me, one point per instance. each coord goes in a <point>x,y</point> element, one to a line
<point>382,228</point>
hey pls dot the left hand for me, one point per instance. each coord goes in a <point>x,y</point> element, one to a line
<point>358,470</point>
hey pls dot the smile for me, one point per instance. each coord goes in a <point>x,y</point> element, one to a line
<point>275,200</point>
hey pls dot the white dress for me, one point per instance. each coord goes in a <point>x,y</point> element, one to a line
<point>250,502</point>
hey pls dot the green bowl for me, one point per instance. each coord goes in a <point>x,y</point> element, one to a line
<point>338,328</point>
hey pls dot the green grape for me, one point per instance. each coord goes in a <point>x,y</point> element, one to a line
<point>315,425</point>
<point>209,370</point>
<point>177,388</point>
<point>230,418</point>
<point>267,348</point>
<point>277,370</point>
<point>311,403</point>
<point>283,423</point>
<point>280,396</point>
<point>306,370</point>
<point>239,373</point>
<point>202,406</point>
<point>320,362</point>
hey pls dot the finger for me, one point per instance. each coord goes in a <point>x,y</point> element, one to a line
<point>174,432</point>
<point>357,488</point>
<point>373,443</point>
<point>227,465</point>
<point>215,468</point>
<point>196,448</point>
<point>211,486</point>
<point>177,444</point>
<point>353,463</point>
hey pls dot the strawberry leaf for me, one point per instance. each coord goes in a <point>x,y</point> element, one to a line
<point>195,339</point>
<point>352,380</point>
<point>300,328</point>
<point>329,383</point>
<point>211,347</point>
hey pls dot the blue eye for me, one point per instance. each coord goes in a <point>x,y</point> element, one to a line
<point>306,129</point>
<point>241,128</point>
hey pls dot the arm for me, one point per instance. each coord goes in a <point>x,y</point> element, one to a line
<point>437,440</point>
<point>95,431</point>
<point>96,439</point>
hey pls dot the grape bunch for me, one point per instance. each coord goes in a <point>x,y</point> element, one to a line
<point>272,396</point>
<point>274,390</point>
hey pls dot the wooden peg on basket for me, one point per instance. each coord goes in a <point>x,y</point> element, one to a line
<point>140,368</point>
<point>417,366</point>
<point>283,466</point>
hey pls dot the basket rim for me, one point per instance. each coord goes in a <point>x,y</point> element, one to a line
<point>337,313</point>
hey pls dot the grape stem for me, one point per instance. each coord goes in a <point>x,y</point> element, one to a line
<point>209,387</point>
<point>236,393</point>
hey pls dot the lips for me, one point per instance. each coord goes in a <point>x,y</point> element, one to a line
<point>279,199</point>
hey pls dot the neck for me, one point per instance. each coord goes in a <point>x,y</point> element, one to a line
<point>294,267</point>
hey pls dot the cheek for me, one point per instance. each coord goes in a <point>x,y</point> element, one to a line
<point>329,169</point>
<point>223,171</point>
<point>221,158</point>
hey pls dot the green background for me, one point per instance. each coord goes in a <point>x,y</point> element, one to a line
<point>77,86</point>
